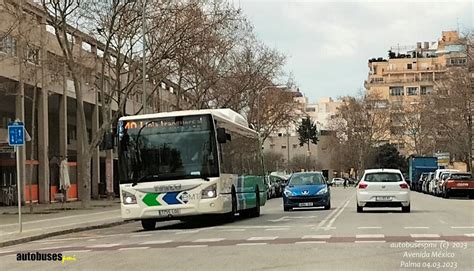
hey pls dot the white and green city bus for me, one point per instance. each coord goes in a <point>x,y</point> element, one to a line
<point>178,165</point>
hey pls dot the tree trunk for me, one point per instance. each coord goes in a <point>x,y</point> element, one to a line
<point>33,143</point>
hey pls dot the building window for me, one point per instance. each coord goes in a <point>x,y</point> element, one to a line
<point>32,55</point>
<point>310,109</point>
<point>396,91</point>
<point>412,91</point>
<point>283,147</point>
<point>409,66</point>
<point>295,146</point>
<point>8,45</point>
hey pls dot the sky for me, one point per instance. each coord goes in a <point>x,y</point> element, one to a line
<point>328,43</point>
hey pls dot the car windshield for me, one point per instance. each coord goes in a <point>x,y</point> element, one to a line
<point>307,179</point>
<point>383,177</point>
<point>167,148</point>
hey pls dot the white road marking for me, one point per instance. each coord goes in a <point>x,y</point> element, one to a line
<point>141,235</point>
<point>192,246</point>
<point>156,242</point>
<point>469,234</point>
<point>47,248</point>
<point>6,251</point>
<point>364,228</point>
<point>442,221</point>
<point>329,216</point>
<point>316,237</point>
<point>208,240</point>
<point>76,251</point>
<point>310,242</point>
<point>370,236</point>
<point>462,227</point>
<point>90,240</point>
<point>132,248</point>
<point>329,225</point>
<point>250,244</point>
<point>60,240</point>
<point>371,241</point>
<point>104,245</point>
<point>186,232</point>
<point>278,229</point>
<point>416,227</point>
<point>262,238</point>
<point>424,235</point>
<point>234,230</point>
<point>252,227</point>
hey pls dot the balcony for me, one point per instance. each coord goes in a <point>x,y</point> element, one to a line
<point>386,81</point>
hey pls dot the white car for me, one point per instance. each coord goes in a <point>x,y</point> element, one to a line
<point>383,188</point>
<point>337,181</point>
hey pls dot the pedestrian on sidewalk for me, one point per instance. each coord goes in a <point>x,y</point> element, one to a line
<point>64,180</point>
<point>345,183</point>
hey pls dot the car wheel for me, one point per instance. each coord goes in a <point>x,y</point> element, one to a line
<point>360,209</point>
<point>446,194</point>
<point>406,209</point>
<point>148,224</point>
<point>286,208</point>
<point>328,206</point>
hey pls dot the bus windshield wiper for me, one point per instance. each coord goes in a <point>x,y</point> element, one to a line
<point>141,179</point>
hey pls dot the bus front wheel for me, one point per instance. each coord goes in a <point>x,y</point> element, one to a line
<point>255,212</point>
<point>148,224</point>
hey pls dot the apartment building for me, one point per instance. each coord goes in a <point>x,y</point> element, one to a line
<point>39,75</point>
<point>407,75</point>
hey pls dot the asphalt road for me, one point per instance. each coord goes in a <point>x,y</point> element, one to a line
<point>437,234</point>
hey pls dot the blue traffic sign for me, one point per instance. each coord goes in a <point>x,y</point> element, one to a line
<point>16,134</point>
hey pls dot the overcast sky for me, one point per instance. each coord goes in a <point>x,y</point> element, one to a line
<point>328,43</point>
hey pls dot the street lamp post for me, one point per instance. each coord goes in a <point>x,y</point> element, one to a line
<point>144,96</point>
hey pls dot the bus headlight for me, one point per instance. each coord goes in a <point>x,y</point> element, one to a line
<point>128,198</point>
<point>209,192</point>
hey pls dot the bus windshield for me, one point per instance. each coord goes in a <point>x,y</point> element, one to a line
<point>167,149</point>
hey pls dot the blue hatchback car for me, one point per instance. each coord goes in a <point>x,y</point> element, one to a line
<point>307,189</point>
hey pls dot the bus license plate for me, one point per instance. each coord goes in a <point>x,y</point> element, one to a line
<point>306,204</point>
<point>169,212</point>
<point>385,198</point>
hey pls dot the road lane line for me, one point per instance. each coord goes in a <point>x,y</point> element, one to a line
<point>208,240</point>
<point>411,228</point>
<point>250,244</point>
<point>103,245</point>
<point>469,234</point>
<point>316,236</point>
<point>51,248</point>
<point>186,232</point>
<point>370,241</point>
<point>430,241</point>
<point>278,229</point>
<point>329,225</point>
<point>192,246</point>
<point>133,248</point>
<point>6,251</point>
<point>262,238</point>
<point>424,235</point>
<point>366,228</point>
<point>156,242</point>
<point>76,251</point>
<point>141,235</point>
<point>370,236</point>
<point>310,242</point>
<point>233,230</point>
<point>462,227</point>
<point>320,225</point>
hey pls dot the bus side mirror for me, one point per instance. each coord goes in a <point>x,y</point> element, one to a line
<point>221,135</point>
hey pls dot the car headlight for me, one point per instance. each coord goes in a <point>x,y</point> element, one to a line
<point>209,192</point>
<point>288,193</point>
<point>128,198</point>
<point>322,191</point>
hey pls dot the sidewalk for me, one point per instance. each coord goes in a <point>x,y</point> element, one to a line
<point>56,219</point>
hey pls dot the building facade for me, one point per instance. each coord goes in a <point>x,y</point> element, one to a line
<point>408,75</point>
<point>36,88</point>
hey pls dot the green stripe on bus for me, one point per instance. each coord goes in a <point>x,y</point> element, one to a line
<point>151,200</point>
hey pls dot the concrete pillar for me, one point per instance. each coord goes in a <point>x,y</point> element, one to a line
<point>95,157</point>
<point>109,168</point>
<point>43,128</point>
<point>43,147</point>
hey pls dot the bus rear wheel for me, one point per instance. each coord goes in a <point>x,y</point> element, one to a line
<point>255,212</point>
<point>148,224</point>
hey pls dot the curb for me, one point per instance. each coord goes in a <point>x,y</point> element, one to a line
<point>61,232</point>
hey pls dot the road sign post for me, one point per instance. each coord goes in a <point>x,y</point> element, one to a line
<point>16,138</point>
